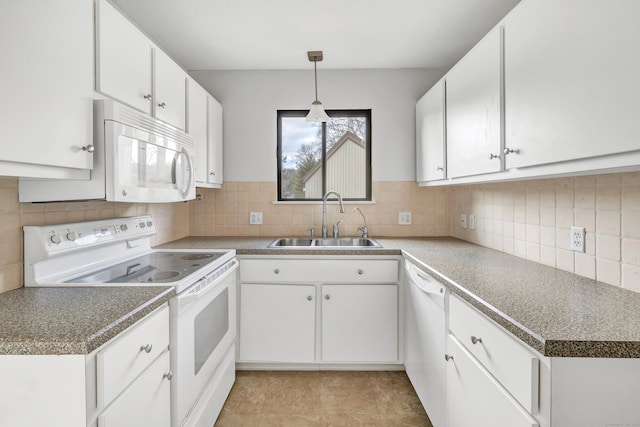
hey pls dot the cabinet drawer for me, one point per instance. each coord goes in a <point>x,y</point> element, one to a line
<point>505,358</point>
<point>319,270</point>
<point>145,402</point>
<point>121,361</point>
<point>475,398</point>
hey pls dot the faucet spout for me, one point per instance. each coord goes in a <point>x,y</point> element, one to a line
<point>324,209</point>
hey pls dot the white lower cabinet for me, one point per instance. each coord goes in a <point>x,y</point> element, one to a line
<point>307,311</point>
<point>475,397</point>
<point>120,384</point>
<point>277,323</point>
<point>359,323</point>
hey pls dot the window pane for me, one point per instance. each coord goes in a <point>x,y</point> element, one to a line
<point>346,157</point>
<point>301,153</point>
<point>317,157</point>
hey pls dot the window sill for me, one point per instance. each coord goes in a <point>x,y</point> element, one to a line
<point>319,202</point>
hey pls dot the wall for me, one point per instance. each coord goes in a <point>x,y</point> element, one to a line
<point>172,220</point>
<point>225,212</point>
<point>532,219</point>
<point>251,99</point>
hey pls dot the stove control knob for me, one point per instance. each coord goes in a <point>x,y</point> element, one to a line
<point>71,236</point>
<point>124,227</point>
<point>55,239</point>
<point>149,223</point>
<point>142,225</point>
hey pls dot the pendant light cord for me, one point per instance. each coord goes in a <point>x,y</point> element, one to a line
<point>315,74</point>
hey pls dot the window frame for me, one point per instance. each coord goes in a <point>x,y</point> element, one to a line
<point>338,113</point>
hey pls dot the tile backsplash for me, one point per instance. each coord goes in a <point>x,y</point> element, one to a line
<point>532,219</point>
<point>225,212</point>
<point>172,220</point>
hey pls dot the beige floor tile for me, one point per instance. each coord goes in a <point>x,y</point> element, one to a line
<point>292,393</point>
<point>284,420</point>
<point>347,392</point>
<point>411,420</point>
<point>351,420</point>
<point>227,419</point>
<point>395,395</point>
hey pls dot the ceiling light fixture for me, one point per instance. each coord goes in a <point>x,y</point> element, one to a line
<point>316,113</point>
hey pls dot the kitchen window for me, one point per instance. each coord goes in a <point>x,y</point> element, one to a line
<point>316,157</point>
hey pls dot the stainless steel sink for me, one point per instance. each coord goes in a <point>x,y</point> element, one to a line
<point>342,242</point>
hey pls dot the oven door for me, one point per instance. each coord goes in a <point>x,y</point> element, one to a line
<point>203,327</point>
<point>146,167</point>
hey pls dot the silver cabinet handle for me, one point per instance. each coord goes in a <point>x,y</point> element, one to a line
<point>448,357</point>
<point>475,340</point>
<point>162,105</point>
<point>510,151</point>
<point>360,272</point>
<point>212,173</point>
<point>148,97</point>
<point>146,348</point>
<point>493,156</point>
<point>309,298</point>
<point>89,148</point>
<point>439,168</point>
<point>276,271</point>
<point>327,297</point>
<point>168,375</point>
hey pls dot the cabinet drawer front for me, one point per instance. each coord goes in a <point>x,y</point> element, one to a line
<point>505,358</point>
<point>475,398</point>
<point>121,361</point>
<point>145,403</point>
<point>315,271</point>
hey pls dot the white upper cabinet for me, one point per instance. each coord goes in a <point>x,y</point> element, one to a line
<point>214,131</point>
<point>131,69</point>
<point>571,80</point>
<point>46,82</point>
<point>197,127</point>
<point>430,134</point>
<point>474,125</point>
<point>170,90</point>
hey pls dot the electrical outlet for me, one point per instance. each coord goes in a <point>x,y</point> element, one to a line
<point>463,220</point>
<point>404,218</point>
<point>577,239</point>
<point>472,222</point>
<point>255,218</point>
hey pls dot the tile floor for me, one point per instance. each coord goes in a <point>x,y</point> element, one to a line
<point>322,398</point>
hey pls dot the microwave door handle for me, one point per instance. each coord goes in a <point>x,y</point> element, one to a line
<point>184,190</point>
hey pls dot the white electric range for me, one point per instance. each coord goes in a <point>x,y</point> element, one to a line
<point>117,252</point>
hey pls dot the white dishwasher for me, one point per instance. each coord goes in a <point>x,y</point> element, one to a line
<point>425,341</point>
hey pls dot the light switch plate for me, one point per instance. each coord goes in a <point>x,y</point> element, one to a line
<point>463,220</point>
<point>255,218</point>
<point>404,218</point>
<point>472,222</point>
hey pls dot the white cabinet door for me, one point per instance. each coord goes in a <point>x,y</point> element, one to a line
<point>123,59</point>
<point>197,127</point>
<point>145,402</point>
<point>170,90</point>
<point>475,398</point>
<point>46,82</point>
<point>277,323</point>
<point>359,323</point>
<point>571,80</point>
<point>215,142</point>
<point>474,125</point>
<point>430,136</point>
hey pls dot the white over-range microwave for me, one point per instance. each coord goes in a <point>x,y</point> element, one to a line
<point>137,159</point>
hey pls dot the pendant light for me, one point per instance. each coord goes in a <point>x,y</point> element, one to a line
<point>316,113</point>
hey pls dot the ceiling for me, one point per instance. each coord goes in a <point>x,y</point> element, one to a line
<point>276,34</point>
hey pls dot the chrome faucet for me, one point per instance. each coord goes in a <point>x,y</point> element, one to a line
<point>324,209</point>
<point>336,229</point>
<point>365,230</point>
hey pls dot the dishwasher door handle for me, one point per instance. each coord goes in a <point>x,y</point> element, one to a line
<point>425,284</point>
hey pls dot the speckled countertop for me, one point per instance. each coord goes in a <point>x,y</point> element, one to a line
<point>559,314</point>
<point>74,320</point>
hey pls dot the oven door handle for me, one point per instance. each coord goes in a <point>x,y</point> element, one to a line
<point>191,297</point>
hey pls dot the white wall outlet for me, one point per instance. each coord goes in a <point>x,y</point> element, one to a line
<point>404,218</point>
<point>577,239</point>
<point>463,220</point>
<point>255,218</point>
<point>472,222</point>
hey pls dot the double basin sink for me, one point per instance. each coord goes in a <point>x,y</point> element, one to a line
<point>341,242</point>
